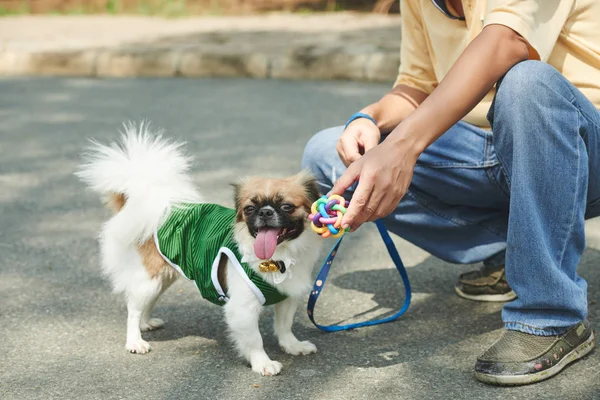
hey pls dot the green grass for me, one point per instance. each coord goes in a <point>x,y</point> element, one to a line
<point>162,8</point>
<point>23,9</point>
<point>112,6</point>
<point>305,11</point>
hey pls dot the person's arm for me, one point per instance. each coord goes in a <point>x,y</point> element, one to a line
<point>386,170</point>
<point>414,82</point>
<point>362,135</point>
<point>394,107</point>
<point>480,66</point>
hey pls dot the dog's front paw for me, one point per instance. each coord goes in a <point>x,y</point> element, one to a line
<point>267,367</point>
<point>151,324</point>
<point>138,347</point>
<point>297,347</point>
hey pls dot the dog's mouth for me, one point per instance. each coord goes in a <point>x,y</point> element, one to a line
<point>266,240</point>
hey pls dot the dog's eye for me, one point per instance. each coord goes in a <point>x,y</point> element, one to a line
<point>288,208</point>
<point>249,210</point>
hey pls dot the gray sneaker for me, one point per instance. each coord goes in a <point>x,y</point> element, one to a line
<point>485,284</point>
<point>519,358</point>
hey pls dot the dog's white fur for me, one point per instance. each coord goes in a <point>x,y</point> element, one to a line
<point>153,175</point>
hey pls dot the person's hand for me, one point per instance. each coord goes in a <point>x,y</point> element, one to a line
<point>358,138</point>
<point>383,174</point>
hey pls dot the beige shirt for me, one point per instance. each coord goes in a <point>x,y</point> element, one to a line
<point>563,33</point>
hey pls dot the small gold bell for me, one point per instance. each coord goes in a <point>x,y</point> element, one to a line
<point>273,267</point>
<point>268,266</point>
<point>264,266</point>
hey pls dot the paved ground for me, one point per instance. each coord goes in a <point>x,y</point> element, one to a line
<point>326,46</point>
<point>62,332</point>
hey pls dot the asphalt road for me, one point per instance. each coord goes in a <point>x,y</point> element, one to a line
<point>62,332</point>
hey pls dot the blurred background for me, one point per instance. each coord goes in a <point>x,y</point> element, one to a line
<point>181,8</point>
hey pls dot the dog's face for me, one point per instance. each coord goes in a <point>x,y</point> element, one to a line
<point>274,210</point>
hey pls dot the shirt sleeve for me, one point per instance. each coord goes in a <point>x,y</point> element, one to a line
<point>537,21</point>
<point>416,68</point>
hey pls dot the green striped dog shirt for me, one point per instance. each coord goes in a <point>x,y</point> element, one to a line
<point>193,239</point>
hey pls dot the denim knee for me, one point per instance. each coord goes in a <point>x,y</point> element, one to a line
<point>523,113</point>
<point>524,87</point>
<point>320,154</point>
<point>310,157</point>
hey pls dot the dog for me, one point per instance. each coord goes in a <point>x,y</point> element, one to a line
<point>162,228</point>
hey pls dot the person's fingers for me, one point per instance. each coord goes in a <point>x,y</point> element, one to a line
<point>377,202</point>
<point>349,147</point>
<point>368,141</point>
<point>346,180</point>
<point>360,208</point>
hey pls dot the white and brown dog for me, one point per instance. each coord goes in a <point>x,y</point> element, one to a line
<point>158,210</point>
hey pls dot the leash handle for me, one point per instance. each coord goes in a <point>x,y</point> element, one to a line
<point>322,277</point>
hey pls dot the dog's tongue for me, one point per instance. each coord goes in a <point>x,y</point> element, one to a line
<point>265,243</point>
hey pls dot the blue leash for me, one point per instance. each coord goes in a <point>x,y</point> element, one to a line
<point>322,277</point>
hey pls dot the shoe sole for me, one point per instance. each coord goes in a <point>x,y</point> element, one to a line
<point>508,296</point>
<point>514,380</point>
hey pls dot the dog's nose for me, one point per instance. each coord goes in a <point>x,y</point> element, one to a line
<point>266,212</point>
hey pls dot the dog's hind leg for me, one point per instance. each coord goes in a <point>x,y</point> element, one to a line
<point>141,295</point>
<point>147,323</point>
<point>157,269</point>
<point>129,276</point>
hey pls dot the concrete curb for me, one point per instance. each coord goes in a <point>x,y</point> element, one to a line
<point>301,63</point>
<point>331,46</point>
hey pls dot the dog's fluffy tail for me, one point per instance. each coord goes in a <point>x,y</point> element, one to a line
<point>143,175</point>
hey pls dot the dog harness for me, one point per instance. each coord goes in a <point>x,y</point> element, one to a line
<point>194,238</point>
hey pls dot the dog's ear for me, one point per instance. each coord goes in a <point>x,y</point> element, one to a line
<point>237,187</point>
<point>308,181</point>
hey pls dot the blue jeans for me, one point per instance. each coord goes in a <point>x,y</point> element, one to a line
<point>516,195</point>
